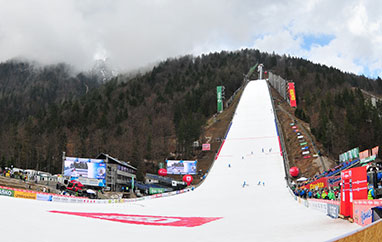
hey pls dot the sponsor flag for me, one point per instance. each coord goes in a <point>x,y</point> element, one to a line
<point>364,154</point>
<point>219,90</point>
<point>375,150</point>
<point>206,147</point>
<point>292,95</point>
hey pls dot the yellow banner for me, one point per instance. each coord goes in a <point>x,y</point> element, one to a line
<point>27,195</point>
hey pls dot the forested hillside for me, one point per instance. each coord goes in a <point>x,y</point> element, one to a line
<point>145,118</point>
<point>340,116</point>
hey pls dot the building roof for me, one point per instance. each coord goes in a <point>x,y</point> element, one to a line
<point>110,158</point>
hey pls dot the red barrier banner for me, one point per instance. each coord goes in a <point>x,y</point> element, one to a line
<point>354,187</point>
<point>292,94</point>
<point>359,183</point>
<point>346,200</point>
<point>146,219</point>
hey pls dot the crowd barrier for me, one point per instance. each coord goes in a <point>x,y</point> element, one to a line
<point>329,207</point>
<point>362,211</point>
<point>50,197</point>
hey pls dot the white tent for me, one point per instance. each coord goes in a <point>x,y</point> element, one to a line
<point>301,179</point>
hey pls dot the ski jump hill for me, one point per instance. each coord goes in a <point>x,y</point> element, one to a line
<point>228,206</point>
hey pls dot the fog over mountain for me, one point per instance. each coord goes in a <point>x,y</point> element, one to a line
<point>132,34</point>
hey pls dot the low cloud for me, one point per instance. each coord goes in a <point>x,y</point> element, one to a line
<point>135,33</point>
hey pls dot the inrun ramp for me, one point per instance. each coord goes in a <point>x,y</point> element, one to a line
<point>220,209</point>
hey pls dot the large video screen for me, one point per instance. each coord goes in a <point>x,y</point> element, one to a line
<point>181,167</point>
<point>87,168</point>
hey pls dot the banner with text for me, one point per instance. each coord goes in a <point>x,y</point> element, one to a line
<point>350,155</point>
<point>292,94</point>
<point>6,192</point>
<point>94,169</point>
<point>156,190</point>
<point>206,147</point>
<point>362,210</point>
<point>219,90</point>
<point>181,167</point>
<point>320,183</point>
<point>27,195</point>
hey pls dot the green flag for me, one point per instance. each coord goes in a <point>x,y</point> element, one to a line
<point>219,98</point>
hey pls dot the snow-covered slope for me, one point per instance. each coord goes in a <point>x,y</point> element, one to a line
<point>221,209</point>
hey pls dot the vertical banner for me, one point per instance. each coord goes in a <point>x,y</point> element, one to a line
<point>359,183</point>
<point>354,187</point>
<point>219,98</point>
<point>364,154</point>
<point>345,205</point>
<point>292,94</point>
<point>374,151</point>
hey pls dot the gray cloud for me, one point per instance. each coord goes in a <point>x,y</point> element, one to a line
<point>135,33</point>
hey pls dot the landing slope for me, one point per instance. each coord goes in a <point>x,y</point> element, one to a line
<point>250,213</point>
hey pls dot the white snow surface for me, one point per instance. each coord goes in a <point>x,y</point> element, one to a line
<point>252,213</point>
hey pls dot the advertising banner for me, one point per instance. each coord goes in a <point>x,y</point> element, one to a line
<point>359,183</point>
<point>333,210</point>
<point>349,155</point>
<point>26,195</point>
<point>88,168</point>
<point>354,187</point>
<point>317,205</point>
<point>43,197</point>
<point>145,219</point>
<point>6,192</point>
<point>364,154</point>
<point>368,159</point>
<point>320,183</point>
<point>219,90</point>
<point>334,181</point>
<point>362,211</point>
<point>181,167</point>
<point>83,168</point>
<point>375,150</point>
<point>206,147</point>
<point>156,190</point>
<point>292,94</point>
<point>92,182</point>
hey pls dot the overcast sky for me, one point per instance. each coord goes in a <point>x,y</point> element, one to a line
<point>346,34</point>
